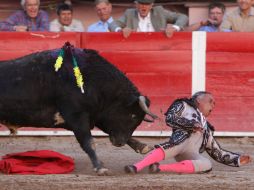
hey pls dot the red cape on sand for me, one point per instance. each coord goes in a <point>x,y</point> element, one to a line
<point>36,162</point>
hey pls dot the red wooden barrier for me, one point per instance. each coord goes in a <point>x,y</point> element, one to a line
<point>16,44</point>
<point>230,76</point>
<point>230,42</point>
<point>161,68</point>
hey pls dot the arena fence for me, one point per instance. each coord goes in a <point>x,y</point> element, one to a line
<point>164,69</point>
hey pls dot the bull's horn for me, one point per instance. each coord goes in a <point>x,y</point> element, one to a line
<point>142,104</point>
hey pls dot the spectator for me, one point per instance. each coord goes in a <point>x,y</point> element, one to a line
<point>65,21</point>
<point>103,9</point>
<point>28,19</point>
<point>240,19</point>
<point>216,12</point>
<point>191,135</point>
<point>146,18</point>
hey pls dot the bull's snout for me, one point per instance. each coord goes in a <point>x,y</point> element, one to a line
<point>117,141</point>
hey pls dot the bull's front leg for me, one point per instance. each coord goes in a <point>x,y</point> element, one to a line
<point>138,146</point>
<point>81,128</point>
<point>87,144</point>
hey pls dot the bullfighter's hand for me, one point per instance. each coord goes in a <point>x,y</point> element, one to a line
<point>245,159</point>
<point>126,32</point>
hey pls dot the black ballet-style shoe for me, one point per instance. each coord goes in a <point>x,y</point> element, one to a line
<point>154,168</point>
<point>130,169</point>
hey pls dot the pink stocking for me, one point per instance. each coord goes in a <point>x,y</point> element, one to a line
<point>155,156</point>
<point>185,166</point>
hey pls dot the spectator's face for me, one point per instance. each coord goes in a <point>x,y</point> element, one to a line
<point>206,104</point>
<point>65,17</point>
<point>144,9</point>
<point>245,4</point>
<point>104,11</point>
<point>32,8</point>
<point>217,15</point>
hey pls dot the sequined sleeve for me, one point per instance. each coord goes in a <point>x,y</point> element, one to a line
<point>220,155</point>
<point>175,119</point>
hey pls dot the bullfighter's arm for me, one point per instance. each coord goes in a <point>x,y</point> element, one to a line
<point>220,155</point>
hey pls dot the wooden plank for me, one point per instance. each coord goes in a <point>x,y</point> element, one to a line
<point>228,83</point>
<point>230,42</point>
<point>18,44</point>
<point>150,61</point>
<point>138,41</point>
<point>229,61</point>
<point>233,113</point>
<point>158,84</point>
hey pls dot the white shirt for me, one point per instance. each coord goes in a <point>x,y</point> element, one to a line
<point>75,26</point>
<point>145,24</point>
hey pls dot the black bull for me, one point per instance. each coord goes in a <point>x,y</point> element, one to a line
<point>32,93</point>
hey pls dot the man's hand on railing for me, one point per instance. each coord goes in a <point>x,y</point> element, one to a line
<point>170,29</point>
<point>126,32</point>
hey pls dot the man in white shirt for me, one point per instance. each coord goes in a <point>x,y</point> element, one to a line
<point>65,21</point>
<point>148,18</point>
<point>240,19</point>
<point>103,9</point>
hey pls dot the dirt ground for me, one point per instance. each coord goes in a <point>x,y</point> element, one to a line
<point>115,158</point>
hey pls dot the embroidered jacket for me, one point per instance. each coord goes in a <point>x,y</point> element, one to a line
<point>181,117</point>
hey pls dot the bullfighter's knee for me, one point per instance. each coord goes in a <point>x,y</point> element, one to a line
<point>202,166</point>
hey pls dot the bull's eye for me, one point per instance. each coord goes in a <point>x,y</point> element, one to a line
<point>133,116</point>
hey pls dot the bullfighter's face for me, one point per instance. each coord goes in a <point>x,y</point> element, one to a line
<point>206,104</point>
<point>32,8</point>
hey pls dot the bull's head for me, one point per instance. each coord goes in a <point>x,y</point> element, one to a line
<point>120,121</point>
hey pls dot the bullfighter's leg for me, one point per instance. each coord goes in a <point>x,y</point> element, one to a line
<point>138,146</point>
<point>187,155</point>
<point>194,164</point>
<point>155,156</point>
<point>188,158</point>
<point>200,163</point>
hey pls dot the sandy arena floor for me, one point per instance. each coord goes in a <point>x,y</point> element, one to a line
<point>115,158</point>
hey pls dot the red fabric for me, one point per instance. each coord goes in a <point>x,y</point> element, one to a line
<point>36,162</point>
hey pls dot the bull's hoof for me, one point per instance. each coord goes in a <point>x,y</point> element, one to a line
<point>102,171</point>
<point>130,169</point>
<point>138,146</point>
<point>144,149</point>
<point>154,168</point>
